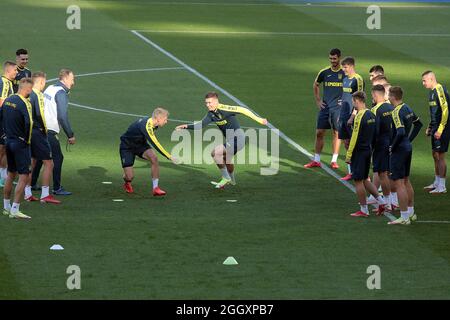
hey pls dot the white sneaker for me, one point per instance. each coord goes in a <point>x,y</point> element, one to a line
<point>18,215</point>
<point>413,217</point>
<point>400,221</point>
<point>430,187</point>
<point>438,190</point>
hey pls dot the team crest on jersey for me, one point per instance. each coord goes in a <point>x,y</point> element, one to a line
<point>340,76</point>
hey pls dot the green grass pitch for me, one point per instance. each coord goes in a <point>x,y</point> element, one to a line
<point>291,232</point>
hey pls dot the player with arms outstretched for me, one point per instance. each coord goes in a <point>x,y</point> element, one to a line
<point>224,117</point>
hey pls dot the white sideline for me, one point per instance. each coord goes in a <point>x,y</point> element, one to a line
<point>139,115</point>
<point>269,33</point>
<point>120,71</point>
<point>343,5</point>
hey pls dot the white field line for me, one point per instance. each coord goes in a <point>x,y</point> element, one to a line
<point>139,115</point>
<point>268,33</point>
<point>121,71</point>
<point>315,5</point>
<point>439,222</point>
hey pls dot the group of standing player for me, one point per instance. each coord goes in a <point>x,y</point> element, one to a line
<point>381,133</point>
<point>30,121</point>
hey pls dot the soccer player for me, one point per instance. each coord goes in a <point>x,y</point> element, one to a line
<point>438,129</point>
<point>406,127</point>
<point>6,90</point>
<point>56,100</point>
<point>22,71</point>
<point>383,119</point>
<point>382,80</point>
<point>351,83</point>
<point>224,117</point>
<point>135,142</point>
<point>18,123</point>
<point>360,152</point>
<point>331,78</point>
<point>40,147</point>
<point>375,71</point>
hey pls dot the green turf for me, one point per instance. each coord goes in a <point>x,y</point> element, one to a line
<point>290,232</point>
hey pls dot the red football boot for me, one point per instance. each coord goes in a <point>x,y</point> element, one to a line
<point>128,187</point>
<point>32,198</point>
<point>50,199</point>
<point>312,164</point>
<point>347,177</point>
<point>334,165</point>
<point>158,192</point>
<point>359,214</point>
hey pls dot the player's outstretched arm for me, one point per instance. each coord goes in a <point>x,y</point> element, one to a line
<point>181,127</point>
<point>245,112</point>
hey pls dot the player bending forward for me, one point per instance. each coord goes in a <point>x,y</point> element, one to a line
<point>135,142</point>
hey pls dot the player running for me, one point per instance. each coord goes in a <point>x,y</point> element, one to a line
<point>138,140</point>
<point>438,129</point>
<point>331,78</point>
<point>224,117</point>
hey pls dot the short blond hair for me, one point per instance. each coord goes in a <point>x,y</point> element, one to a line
<point>37,75</point>
<point>24,82</point>
<point>160,111</point>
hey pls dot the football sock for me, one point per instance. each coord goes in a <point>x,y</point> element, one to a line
<point>45,191</point>
<point>316,157</point>
<point>442,182</point>
<point>155,183</point>
<point>380,200</point>
<point>405,214</point>
<point>364,209</point>
<point>15,207</point>
<point>7,204</point>
<point>3,173</point>
<point>28,192</point>
<point>388,199</point>
<point>394,198</point>
<point>436,180</point>
<point>411,211</point>
<point>334,158</point>
<point>225,173</point>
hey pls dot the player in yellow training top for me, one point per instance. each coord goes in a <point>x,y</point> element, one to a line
<point>225,118</point>
<point>138,140</point>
